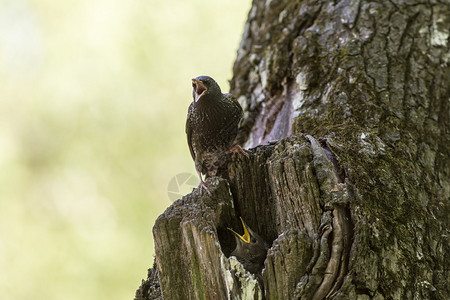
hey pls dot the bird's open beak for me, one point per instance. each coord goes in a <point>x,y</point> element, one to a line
<point>246,236</point>
<point>199,88</point>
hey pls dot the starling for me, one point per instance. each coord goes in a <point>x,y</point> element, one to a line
<point>251,249</point>
<point>211,126</point>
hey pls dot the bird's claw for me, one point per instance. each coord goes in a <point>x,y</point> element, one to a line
<point>202,186</point>
<point>237,149</point>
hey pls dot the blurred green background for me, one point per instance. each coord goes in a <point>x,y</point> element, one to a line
<point>93,103</point>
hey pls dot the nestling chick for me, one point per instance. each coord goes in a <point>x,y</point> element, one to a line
<point>211,126</point>
<point>251,249</point>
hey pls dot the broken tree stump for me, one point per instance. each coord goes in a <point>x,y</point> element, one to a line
<point>288,192</point>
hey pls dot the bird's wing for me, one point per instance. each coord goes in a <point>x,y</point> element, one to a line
<point>234,100</point>
<point>189,130</point>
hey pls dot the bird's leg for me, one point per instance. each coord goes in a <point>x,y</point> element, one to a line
<point>237,149</point>
<point>202,184</point>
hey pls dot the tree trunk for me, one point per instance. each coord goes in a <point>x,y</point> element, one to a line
<point>347,104</point>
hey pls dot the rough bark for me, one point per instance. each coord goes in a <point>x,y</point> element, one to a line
<point>150,288</point>
<point>347,104</point>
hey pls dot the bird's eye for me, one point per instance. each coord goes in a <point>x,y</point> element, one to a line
<point>253,240</point>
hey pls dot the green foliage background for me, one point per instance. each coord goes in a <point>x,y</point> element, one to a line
<point>93,103</point>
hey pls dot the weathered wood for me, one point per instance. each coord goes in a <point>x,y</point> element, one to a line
<point>188,254</point>
<point>278,194</point>
<point>150,288</point>
<point>352,192</point>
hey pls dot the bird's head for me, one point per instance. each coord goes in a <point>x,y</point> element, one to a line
<point>251,249</point>
<point>248,239</point>
<point>205,87</point>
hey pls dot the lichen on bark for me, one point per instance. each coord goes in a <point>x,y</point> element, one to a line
<point>347,114</point>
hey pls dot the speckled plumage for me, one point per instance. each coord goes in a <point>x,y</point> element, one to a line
<point>211,126</point>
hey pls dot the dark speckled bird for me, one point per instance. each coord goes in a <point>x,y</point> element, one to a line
<point>211,126</point>
<point>251,249</point>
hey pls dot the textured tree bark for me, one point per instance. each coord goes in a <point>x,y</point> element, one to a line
<point>347,104</point>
